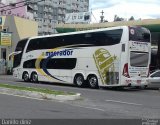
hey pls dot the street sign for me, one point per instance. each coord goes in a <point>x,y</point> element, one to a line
<point>5,39</point>
<point>81,17</point>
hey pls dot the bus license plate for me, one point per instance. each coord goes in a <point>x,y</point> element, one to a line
<point>139,81</point>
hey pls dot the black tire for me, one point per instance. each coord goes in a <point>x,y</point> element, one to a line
<point>79,80</point>
<point>138,87</point>
<point>145,87</point>
<point>26,77</point>
<point>34,77</point>
<point>93,82</point>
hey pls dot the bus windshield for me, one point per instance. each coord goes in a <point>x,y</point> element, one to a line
<point>139,34</point>
<point>21,44</point>
<point>19,48</point>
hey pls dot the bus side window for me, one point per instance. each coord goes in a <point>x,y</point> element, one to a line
<point>123,47</point>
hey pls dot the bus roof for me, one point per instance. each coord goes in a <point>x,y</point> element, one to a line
<point>79,32</point>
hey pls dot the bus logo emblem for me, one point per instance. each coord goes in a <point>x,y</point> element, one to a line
<point>105,64</point>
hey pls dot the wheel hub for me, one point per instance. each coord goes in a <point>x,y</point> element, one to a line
<point>79,81</point>
<point>93,81</point>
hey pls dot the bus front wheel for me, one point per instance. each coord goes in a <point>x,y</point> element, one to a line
<point>79,80</point>
<point>93,81</point>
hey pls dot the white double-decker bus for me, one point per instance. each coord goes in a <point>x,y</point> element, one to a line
<point>109,57</point>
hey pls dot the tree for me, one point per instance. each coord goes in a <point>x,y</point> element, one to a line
<point>105,21</point>
<point>131,18</point>
<point>117,18</point>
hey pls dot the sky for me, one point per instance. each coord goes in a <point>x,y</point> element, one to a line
<point>144,9</point>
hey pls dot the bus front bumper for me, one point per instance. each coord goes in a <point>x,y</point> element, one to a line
<point>16,73</point>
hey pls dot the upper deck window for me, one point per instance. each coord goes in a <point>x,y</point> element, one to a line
<point>139,34</point>
<point>100,38</point>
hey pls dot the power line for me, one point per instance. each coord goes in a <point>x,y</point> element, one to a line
<point>13,8</point>
<point>93,16</point>
<point>13,3</point>
<point>18,6</point>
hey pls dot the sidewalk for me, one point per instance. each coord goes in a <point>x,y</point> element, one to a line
<point>6,77</point>
<point>26,92</point>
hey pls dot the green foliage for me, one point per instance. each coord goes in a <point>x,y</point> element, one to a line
<point>32,89</point>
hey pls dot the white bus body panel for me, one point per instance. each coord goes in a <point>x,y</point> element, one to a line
<point>106,62</point>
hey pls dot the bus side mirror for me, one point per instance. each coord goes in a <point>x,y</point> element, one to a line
<point>17,52</point>
<point>13,53</point>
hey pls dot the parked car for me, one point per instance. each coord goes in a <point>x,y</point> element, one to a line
<point>154,79</point>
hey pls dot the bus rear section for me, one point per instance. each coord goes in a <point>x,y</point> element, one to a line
<point>135,69</point>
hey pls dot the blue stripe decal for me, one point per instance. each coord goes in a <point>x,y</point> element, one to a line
<point>44,64</point>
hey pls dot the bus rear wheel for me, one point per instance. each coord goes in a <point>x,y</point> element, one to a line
<point>79,80</point>
<point>26,77</point>
<point>34,77</point>
<point>93,81</point>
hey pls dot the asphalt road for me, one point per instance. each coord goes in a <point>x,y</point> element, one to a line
<point>95,104</point>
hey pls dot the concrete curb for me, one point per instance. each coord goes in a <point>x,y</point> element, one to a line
<point>39,95</point>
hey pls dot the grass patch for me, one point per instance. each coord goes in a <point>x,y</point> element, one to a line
<point>32,89</point>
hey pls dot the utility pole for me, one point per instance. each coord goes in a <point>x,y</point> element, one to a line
<point>102,17</point>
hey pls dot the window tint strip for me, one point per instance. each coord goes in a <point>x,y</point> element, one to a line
<point>102,38</point>
<point>56,63</point>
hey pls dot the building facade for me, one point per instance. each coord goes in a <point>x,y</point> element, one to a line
<point>13,29</point>
<point>47,13</point>
<point>50,12</point>
<point>16,8</point>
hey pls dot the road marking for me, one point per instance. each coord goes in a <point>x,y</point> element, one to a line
<point>88,107</point>
<point>93,108</point>
<point>129,103</point>
<point>22,96</point>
